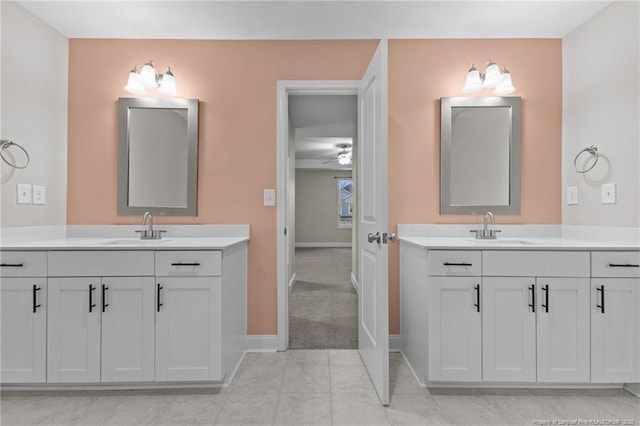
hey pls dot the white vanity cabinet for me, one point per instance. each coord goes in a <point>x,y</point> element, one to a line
<point>100,318</point>
<point>23,326</point>
<point>454,316</point>
<point>536,319</point>
<point>615,317</point>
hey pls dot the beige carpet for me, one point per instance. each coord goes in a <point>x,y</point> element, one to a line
<point>323,306</point>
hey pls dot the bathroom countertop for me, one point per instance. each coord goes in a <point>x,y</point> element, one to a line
<point>515,243</point>
<point>169,243</point>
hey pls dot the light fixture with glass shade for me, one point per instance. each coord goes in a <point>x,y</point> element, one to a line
<point>492,78</point>
<point>146,77</point>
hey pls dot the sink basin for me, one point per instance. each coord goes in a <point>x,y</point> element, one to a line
<point>132,242</point>
<point>512,241</point>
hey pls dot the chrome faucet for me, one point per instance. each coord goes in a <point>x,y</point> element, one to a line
<point>485,233</point>
<point>149,233</point>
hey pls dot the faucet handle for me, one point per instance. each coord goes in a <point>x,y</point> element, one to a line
<point>478,232</point>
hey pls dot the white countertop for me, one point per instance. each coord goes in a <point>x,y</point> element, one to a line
<point>514,243</point>
<point>169,243</point>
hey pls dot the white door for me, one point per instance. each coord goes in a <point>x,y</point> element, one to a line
<point>73,343</point>
<point>23,329</point>
<point>455,339</point>
<point>508,329</point>
<point>615,330</point>
<point>188,329</point>
<point>373,297</point>
<point>128,329</point>
<point>563,329</point>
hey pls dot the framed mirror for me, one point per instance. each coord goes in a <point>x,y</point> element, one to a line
<point>480,155</point>
<point>157,156</point>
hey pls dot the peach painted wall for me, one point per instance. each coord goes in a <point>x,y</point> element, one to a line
<point>235,82</point>
<point>423,71</point>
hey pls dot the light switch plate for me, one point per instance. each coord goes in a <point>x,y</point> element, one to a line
<point>39,194</point>
<point>608,193</point>
<point>572,195</point>
<point>23,192</point>
<point>269,197</point>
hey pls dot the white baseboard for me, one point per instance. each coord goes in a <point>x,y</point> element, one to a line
<point>322,245</point>
<point>394,343</point>
<point>292,281</point>
<point>633,388</point>
<point>262,343</point>
<point>354,282</point>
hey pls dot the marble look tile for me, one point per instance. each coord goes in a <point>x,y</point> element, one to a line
<point>302,378</point>
<point>415,410</point>
<point>402,381</point>
<point>344,357</point>
<point>350,378</point>
<point>248,409</point>
<point>259,379</point>
<point>265,358</point>
<point>357,409</point>
<point>469,410</point>
<point>308,357</point>
<point>304,409</point>
<point>138,410</point>
<point>193,410</point>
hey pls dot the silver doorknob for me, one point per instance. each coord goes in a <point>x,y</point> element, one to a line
<point>374,237</point>
<point>391,238</point>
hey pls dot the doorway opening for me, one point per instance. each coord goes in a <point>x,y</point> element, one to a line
<point>318,306</point>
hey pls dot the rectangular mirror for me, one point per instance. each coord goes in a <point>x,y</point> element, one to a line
<point>157,156</point>
<point>480,155</point>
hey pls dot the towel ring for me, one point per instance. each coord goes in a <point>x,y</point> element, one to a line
<point>593,150</point>
<point>4,144</point>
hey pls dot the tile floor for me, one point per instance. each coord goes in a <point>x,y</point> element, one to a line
<point>319,387</point>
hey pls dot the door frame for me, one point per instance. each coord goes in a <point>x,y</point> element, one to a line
<point>286,88</point>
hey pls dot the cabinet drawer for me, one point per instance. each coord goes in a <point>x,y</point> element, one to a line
<point>100,263</point>
<point>454,262</point>
<point>535,263</point>
<point>188,263</point>
<point>625,264</point>
<point>23,263</point>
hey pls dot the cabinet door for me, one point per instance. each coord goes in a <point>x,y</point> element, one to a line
<point>615,330</point>
<point>508,329</point>
<point>454,329</point>
<point>128,329</point>
<point>73,344</point>
<point>563,329</point>
<point>23,327</point>
<point>188,328</point>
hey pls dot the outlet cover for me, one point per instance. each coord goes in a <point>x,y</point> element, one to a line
<point>572,195</point>
<point>23,192</point>
<point>608,193</point>
<point>39,194</point>
<point>269,197</point>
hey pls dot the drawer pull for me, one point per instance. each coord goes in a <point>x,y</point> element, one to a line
<point>11,265</point>
<point>36,305</point>
<point>456,264</point>
<point>623,265</point>
<point>532,305</point>
<point>545,305</point>
<point>601,305</point>
<point>104,297</point>
<point>159,303</point>
<point>91,304</point>
<point>185,264</point>
<point>477,304</point>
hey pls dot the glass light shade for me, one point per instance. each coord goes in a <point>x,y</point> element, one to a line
<point>505,86</point>
<point>148,76</point>
<point>168,84</point>
<point>134,85</point>
<point>473,82</point>
<point>344,159</point>
<point>492,75</point>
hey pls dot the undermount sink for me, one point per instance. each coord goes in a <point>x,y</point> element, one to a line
<point>514,241</point>
<point>132,242</point>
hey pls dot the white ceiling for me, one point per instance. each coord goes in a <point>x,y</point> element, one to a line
<point>306,19</point>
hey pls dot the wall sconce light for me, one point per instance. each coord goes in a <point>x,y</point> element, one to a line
<point>491,78</point>
<point>145,77</point>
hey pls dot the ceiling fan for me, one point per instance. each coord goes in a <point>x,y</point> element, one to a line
<point>344,157</point>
